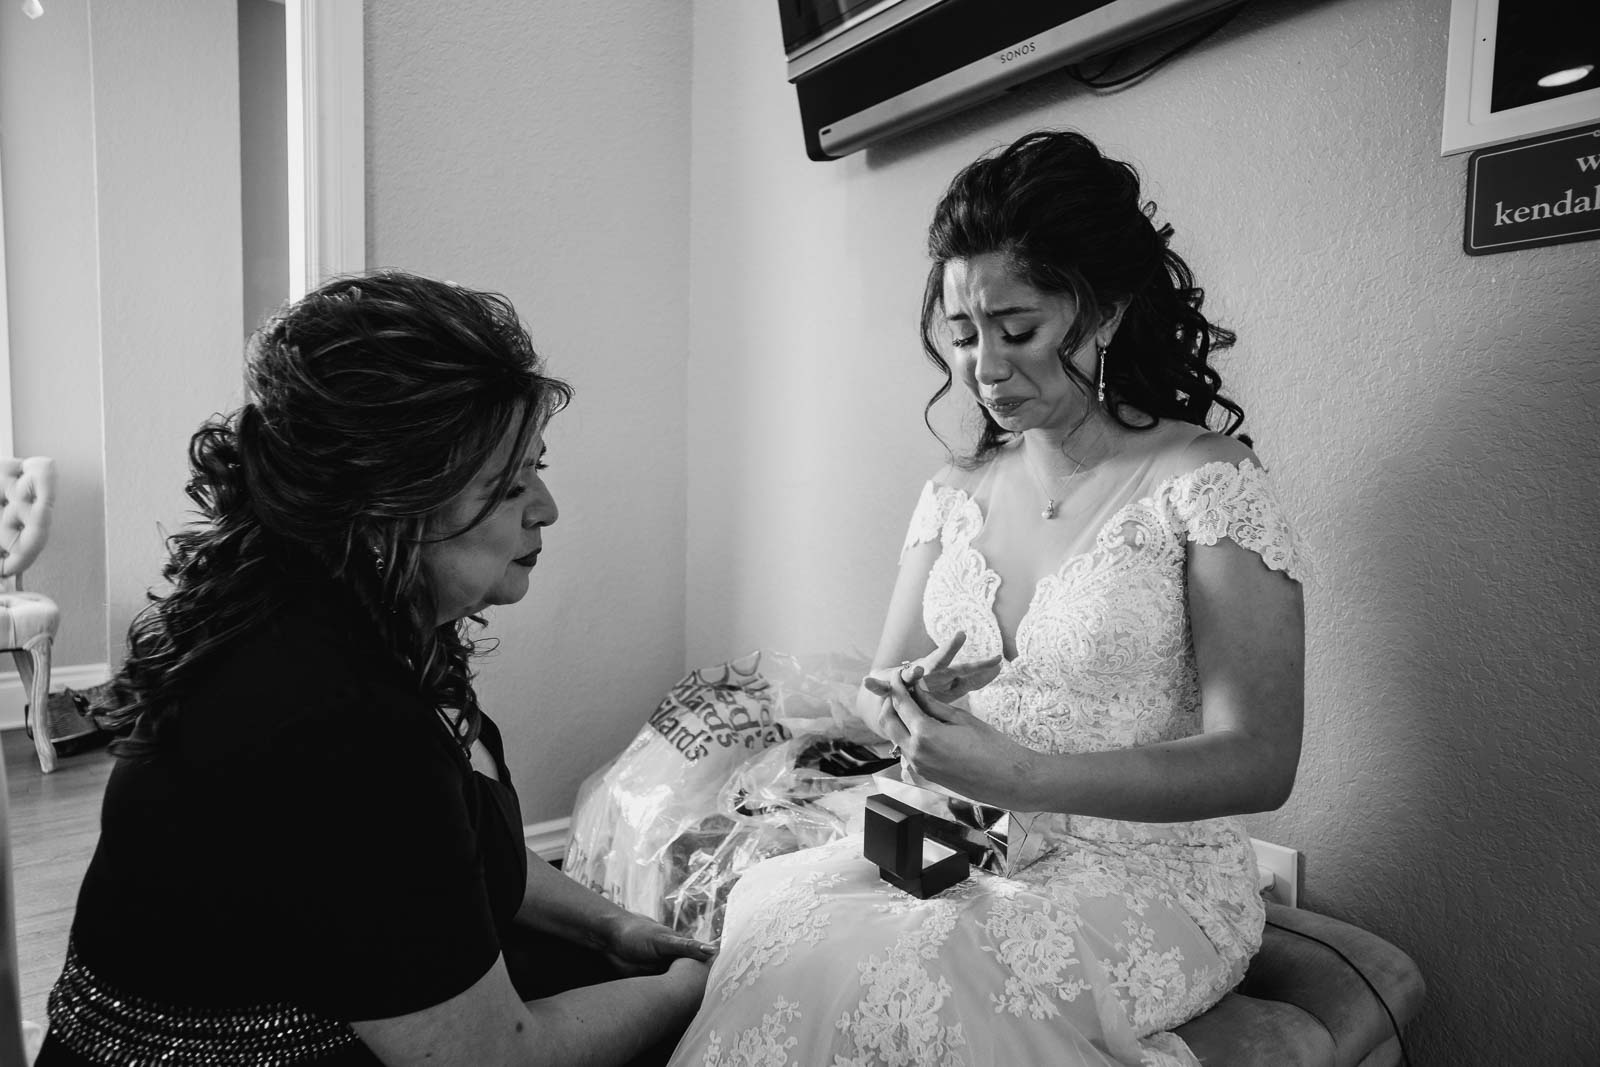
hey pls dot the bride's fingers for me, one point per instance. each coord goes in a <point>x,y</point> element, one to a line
<point>943,681</point>
<point>963,677</point>
<point>890,725</point>
<point>937,711</point>
<point>942,656</point>
<point>910,709</point>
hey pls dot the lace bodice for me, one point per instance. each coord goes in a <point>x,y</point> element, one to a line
<point>1103,654</point>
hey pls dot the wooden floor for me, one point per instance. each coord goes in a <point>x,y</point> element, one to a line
<point>55,821</point>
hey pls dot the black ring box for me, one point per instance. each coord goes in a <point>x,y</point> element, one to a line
<point>894,838</point>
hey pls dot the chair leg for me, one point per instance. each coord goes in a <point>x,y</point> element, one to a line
<point>33,667</point>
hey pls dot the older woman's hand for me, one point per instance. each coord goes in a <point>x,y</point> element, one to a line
<point>956,749</point>
<point>643,946</point>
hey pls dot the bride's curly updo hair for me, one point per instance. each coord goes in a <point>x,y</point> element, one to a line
<point>373,401</point>
<point>1071,221</point>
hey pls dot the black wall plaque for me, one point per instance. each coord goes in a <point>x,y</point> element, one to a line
<point>1542,191</point>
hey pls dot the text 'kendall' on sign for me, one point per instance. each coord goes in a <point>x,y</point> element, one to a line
<point>1542,191</point>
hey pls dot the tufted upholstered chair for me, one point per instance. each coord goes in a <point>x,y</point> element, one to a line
<point>28,621</point>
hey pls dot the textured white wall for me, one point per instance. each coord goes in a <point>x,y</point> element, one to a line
<point>47,140</point>
<point>167,186</point>
<point>545,154</point>
<point>1429,418</point>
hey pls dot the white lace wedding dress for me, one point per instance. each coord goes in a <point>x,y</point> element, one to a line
<point>1123,930</point>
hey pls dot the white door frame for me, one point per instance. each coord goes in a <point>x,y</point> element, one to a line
<point>323,42</point>
<point>6,437</point>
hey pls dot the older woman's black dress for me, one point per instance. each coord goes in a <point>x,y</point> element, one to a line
<point>311,847</point>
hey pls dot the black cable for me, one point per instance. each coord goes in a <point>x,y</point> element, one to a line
<point>1096,81</point>
<point>1404,1058</point>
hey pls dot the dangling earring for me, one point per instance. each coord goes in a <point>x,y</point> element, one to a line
<point>1100,350</point>
<point>377,559</point>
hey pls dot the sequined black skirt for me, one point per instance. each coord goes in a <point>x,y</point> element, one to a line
<point>103,1024</point>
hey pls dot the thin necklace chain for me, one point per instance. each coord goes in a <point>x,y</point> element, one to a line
<point>1051,504</point>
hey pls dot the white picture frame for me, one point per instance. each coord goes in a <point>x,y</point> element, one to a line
<point>6,430</point>
<point>1469,71</point>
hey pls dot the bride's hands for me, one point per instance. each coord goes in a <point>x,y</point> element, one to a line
<point>936,674</point>
<point>956,749</point>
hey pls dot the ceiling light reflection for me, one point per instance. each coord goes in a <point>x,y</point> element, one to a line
<point>1566,77</point>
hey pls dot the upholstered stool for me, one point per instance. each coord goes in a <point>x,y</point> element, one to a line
<point>1300,1005</point>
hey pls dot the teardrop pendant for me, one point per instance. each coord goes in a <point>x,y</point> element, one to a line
<point>1049,511</point>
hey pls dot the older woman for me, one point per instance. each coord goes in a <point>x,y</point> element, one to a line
<point>311,851</point>
<point>1128,594</point>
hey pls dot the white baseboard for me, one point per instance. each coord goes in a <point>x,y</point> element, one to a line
<point>76,676</point>
<point>548,839</point>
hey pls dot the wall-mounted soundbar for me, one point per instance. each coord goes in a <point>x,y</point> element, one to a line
<point>866,69</point>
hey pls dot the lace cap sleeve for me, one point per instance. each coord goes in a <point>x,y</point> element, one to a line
<point>933,511</point>
<point>1223,500</point>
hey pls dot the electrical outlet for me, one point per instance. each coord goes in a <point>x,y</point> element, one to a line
<point>1283,865</point>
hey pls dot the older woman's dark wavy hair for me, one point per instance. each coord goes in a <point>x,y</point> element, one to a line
<point>1071,221</point>
<point>373,401</point>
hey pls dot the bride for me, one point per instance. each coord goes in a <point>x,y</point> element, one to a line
<point>1129,597</point>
